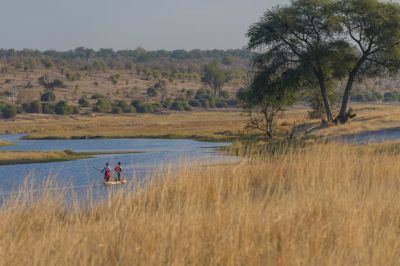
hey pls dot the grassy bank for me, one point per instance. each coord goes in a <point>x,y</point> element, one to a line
<point>6,143</point>
<point>24,157</point>
<point>207,126</point>
<point>27,157</point>
<point>211,126</point>
<point>315,205</point>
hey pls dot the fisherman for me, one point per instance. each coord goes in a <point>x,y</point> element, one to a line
<point>107,173</point>
<point>118,169</point>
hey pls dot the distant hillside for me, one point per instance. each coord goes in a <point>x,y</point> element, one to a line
<point>126,75</point>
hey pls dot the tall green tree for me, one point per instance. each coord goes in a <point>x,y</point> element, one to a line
<point>374,29</point>
<point>302,36</point>
<point>214,76</point>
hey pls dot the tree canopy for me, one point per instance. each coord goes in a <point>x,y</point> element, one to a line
<point>323,41</point>
<point>214,76</point>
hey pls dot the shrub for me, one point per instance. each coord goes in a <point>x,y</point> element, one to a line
<point>189,94</point>
<point>200,93</point>
<point>102,106</point>
<point>204,102</point>
<point>152,91</point>
<point>114,79</point>
<point>167,103</point>
<point>391,96</point>
<point>84,102</point>
<point>48,108</point>
<point>48,97</point>
<point>136,103</point>
<point>224,94</point>
<point>75,109</point>
<point>125,107</point>
<point>195,103</point>
<point>143,108</point>
<point>97,96</point>
<point>57,83</point>
<point>35,107</point>
<point>232,102</point>
<point>179,105</point>
<point>117,110</point>
<point>221,104</point>
<point>62,108</point>
<point>9,111</point>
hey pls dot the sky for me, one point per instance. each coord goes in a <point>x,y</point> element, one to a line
<point>128,24</point>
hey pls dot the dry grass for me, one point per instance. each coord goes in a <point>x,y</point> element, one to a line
<point>207,125</point>
<point>370,117</point>
<point>5,143</point>
<point>296,207</point>
<point>201,125</point>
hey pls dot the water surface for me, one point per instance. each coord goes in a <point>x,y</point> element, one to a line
<point>80,174</point>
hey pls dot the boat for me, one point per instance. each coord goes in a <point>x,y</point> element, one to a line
<point>109,183</point>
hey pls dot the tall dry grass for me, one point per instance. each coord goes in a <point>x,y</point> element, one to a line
<point>316,205</point>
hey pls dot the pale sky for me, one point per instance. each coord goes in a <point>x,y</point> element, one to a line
<point>127,24</point>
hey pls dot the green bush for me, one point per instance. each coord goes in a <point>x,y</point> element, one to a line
<point>62,108</point>
<point>48,108</point>
<point>144,108</point>
<point>75,109</point>
<point>35,107</point>
<point>136,103</point>
<point>205,103</point>
<point>179,105</point>
<point>125,107</point>
<point>102,106</point>
<point>152,91</point>
<point>195,103</point>
<point>224,94</point>
<point>9,111</point>
<point>48,97</point>
<point>57,83</point>
<point>167,103</point>
<point>372,97</point>
<point>232,102</point>
<point>84,102</point>
<point>221,104</point>
<point>393,96</point>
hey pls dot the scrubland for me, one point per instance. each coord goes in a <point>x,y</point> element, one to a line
<point>294,204</point>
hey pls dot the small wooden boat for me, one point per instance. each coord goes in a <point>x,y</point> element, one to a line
<point>109,183</point>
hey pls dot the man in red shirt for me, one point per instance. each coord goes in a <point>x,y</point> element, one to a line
<point>118,169</point>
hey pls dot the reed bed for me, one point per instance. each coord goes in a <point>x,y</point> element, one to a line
<point>313,205</point>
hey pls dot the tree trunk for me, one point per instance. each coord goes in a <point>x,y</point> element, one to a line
<point>324,94</point>
<point>344,115</point>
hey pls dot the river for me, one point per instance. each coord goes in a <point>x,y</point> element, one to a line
<point>80,174</point>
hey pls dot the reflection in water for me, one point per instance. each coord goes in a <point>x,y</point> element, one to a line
<point>372,136</point>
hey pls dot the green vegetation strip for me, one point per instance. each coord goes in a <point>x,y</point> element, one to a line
<point>22,157</point>
<point>6,143</point>
<point>208,138</point>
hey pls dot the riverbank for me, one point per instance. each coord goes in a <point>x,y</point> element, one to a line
<point>30,157</point>
<point>6,143</point>
<point>306,206</point>
<point>204,126</point>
